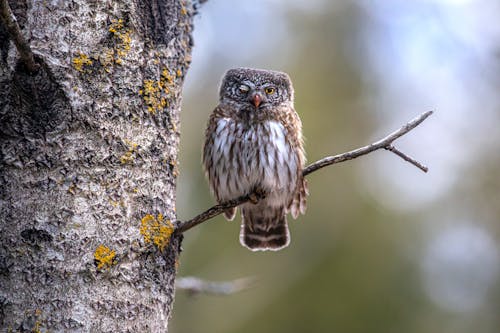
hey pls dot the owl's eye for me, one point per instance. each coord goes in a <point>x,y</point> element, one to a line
<point>270,90</point>
<point>244,89</point>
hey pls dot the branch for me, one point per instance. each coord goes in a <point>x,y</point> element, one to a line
<point>9,21</point>
<point>195,285</point>
<point>214,211</point>
<point>384,143</point>
<point>407,158</point>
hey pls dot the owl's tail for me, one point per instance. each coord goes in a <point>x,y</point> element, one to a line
<point>263,228</point>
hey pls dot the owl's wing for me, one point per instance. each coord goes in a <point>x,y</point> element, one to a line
<point>208,157</point>
<point>291,121</point>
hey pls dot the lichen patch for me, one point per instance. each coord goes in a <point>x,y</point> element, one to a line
<point>156,230</point>
<point>81,61</point>
<point>104,257</point>
<point>157,93</point>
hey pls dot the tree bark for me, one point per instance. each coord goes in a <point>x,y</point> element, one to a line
<point>88,155</point>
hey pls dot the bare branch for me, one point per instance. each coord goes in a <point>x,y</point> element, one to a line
<point>384,143</point>
<point>9,21</point>
<point>195,285</point>
<point>407,158</point>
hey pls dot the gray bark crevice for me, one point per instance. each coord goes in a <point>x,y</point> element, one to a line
<point>83,160</point>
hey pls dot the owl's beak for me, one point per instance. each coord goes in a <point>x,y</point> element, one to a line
<point>257,99</point>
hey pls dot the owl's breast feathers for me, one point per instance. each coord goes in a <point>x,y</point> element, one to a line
<point>240,157</point>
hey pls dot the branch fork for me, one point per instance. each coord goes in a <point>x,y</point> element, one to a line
<point>384,143</point>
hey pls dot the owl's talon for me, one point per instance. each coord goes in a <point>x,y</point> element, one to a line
<point>256,195</point>
<point>254,198</point>
<point>260,193</point>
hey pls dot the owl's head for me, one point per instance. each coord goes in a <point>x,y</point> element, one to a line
<point>256,89</point>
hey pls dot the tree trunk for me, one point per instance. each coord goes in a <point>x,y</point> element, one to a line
<point>88,155</point>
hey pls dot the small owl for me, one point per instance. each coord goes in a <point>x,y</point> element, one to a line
<point>253,144</point>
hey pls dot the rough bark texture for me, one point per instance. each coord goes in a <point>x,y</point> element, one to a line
<point>88,151</point>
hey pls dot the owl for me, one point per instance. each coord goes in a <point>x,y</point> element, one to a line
<point>253,144</point>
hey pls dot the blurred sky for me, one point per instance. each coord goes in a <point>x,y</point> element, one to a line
<point>383,246</point>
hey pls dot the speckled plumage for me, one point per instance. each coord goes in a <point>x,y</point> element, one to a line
<point>254,143</point>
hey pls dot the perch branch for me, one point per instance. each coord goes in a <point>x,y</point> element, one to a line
<point>10,23</point>
<point>195,285</point>
<point>214,211</point>
<point>384,143</point>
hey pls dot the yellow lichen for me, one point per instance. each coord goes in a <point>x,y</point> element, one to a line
<point>156,93</point>
<point>121,45</point>
<point>71,188</point>
<point>123,40</point>
<point>80,61</point>
<point>117,204</point>
<point>156,230</point>
<point>183,9</point>
<point>116,25</point>
<point>128,157</point>
<point>166,76</point>
<point>38,324</point>
<point>104,257</point>
<point>36,328</point>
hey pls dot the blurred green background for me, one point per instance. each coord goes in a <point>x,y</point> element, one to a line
<point>383,246</point>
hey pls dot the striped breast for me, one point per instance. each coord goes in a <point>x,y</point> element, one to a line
<point>244,157</point>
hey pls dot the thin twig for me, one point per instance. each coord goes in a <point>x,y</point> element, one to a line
<point>407,158</point>
<point>384,143</point>
<point>195,285</point>
<point>9,21</point>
